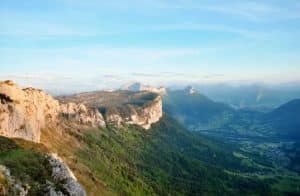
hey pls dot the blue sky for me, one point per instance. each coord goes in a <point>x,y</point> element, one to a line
<point>106,43</point>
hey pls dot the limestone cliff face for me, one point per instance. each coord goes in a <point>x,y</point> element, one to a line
<point>24,112</point>
<point>143,116</point>
<point>80,113</point>
<point>153,112</point>
<point>139,108</point>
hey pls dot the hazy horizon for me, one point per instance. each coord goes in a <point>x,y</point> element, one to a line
<point>106,44</point>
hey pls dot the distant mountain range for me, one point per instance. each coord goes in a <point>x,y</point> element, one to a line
<point>141,87</point>
<point>258,97</point>
<point>286,119</point>
<point>274,135</point>
<point>195,110</point>
<point>198,112</point>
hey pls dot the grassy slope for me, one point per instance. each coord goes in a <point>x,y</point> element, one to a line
<point>165,160</point>
<point>66,141</point>
<point>26,165</point>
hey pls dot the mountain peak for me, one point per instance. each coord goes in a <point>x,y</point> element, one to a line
<point>190,90</point>
<point>288,109</point>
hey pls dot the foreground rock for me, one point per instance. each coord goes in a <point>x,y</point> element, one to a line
<point>63,182</point>
<point>12,187</point>
<point>63,176</point>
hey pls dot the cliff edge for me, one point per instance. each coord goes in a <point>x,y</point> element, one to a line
<point>25,112</point>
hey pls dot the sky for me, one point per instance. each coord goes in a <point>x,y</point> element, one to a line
<point>81,44</point>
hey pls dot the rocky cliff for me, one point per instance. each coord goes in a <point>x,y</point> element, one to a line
<point>82,114</point>
<point>25,112</point>
<point>139,108</point>
<point>64,177</point>
<point>143,116</point>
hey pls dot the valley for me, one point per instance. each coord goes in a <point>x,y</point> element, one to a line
<point>266,141</point>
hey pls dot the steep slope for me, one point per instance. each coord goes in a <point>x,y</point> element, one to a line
<point>24,112</point>
<point>24,171</point>
<point>286,119</point>
<point>167,160</point>
<point>33,115</point>
<point>195,110</point>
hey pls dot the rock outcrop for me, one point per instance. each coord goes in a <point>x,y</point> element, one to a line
<point>63,176</point>
<point>24,112</point>
<point>143,116</point>
<point>139,108</point>
<point>80,113</point>
<point>63,182</point>
<point>12,187</point>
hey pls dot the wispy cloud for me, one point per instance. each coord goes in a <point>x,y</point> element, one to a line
<point>247,9</point>
<point>252,10</point>
<point>44,31</point>
<point>78,61</point>
<point>21,24</point>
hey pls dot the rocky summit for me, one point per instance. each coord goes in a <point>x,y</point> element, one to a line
<point>25,112</point>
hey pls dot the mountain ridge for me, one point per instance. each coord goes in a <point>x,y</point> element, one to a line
<point>195,109</point>
<point>24,112</point>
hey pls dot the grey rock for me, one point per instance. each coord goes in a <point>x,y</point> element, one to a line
<point>62,175</point>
